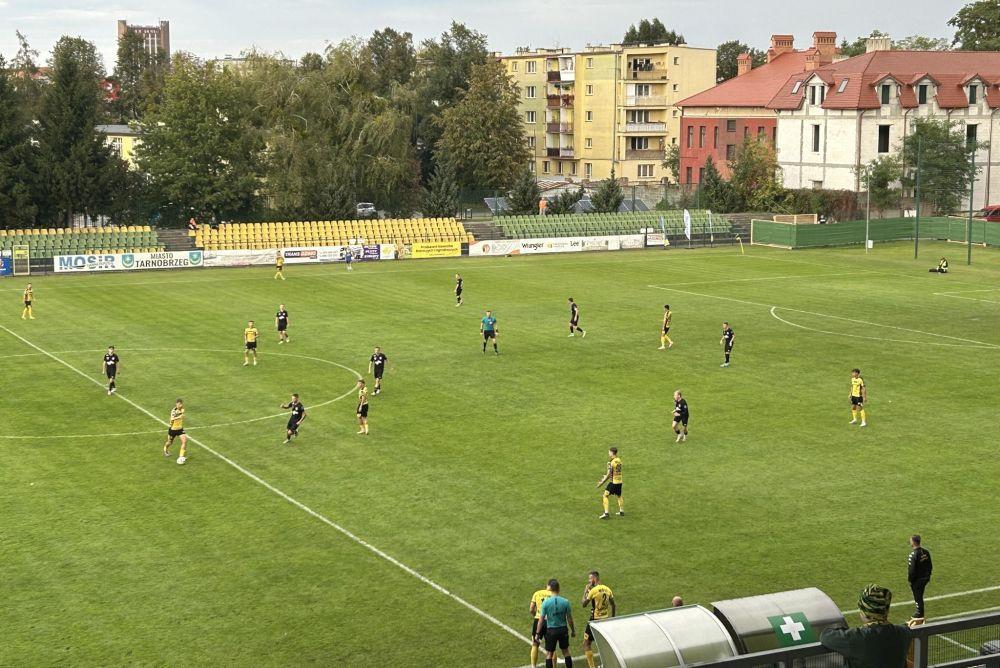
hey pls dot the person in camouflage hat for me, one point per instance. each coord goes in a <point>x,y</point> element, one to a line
<point>875,644</point>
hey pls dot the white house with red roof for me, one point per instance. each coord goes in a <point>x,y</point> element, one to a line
<point>841,116</point>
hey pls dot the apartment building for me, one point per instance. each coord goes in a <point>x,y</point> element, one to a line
<point>606,107</point>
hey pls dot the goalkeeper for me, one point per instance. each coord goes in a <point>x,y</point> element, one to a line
<point>941,268</point>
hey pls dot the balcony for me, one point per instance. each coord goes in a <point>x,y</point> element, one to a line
<point>557,101</point>
<point>658,128</point>
<point>566,153</point>
<point>551,152</point>
<point>646,101</point>
<point>644,154</point>
<point>552,76</point>
<point>651,74</point>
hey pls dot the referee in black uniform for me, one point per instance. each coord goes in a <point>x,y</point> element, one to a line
<point>919,569</point>
<point>111,363</point>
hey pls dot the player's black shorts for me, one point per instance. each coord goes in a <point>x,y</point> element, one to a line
<point>729,347</point>
<point>587,634</point>
<point>554,637</point>
<point>681,419</point>
<point>377,371</point>
<point>857,401</point>
<point>293,426</point>
<point>614,488</point>
<point>251,345</point>
<point>282,325</point>
<point>574,322</point>
<point>458,292</point>
<point>111,370</point>
<point>363,411</point>
<point>489,334</point>
<point>174,433</point>
<point>27,302</point>
<point>666,329</point>
<point>279,267</point>
<point>537,628</point>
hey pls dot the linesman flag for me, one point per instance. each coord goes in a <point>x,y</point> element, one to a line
<point>687,224</point>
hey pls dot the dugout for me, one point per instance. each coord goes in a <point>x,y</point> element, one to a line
<point>662,639</point>
<point>782,619</point>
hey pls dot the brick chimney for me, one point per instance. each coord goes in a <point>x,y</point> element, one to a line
<point>878,44</point>
<point>826,44</point>
<point>780,44</point>
<point>744,64</point>
<point>813,60</point>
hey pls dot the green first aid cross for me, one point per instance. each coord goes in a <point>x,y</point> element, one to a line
<point>792,629</point>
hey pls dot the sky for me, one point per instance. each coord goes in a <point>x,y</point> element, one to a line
<point>216,28</point>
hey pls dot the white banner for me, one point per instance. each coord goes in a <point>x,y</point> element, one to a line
<point>652,239</point>
<point>554,245</point>
<point>128,261</point>
<point>299,255</point>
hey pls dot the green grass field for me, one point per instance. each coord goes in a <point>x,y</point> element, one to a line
<point>480,471</point>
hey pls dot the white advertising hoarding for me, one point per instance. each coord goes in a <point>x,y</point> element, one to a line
<point>555,245</point>
<point>128,261</point>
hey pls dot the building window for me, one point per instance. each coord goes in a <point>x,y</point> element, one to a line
<point>588,142</point>
<point>817,185</point>
<point>677,60</point>
<point>812,94</point>
<point>589,116</point>
<point>531,166</point>
<point>815,130</point>
<point>731,125</point>
<point>922,94</point>
<point>531,141</point>
<point>701,175</point>
<point>529,92</point>
<point>529,117</point>
<point>559,167</point>
<point>545,167</point>
<point>761,133</point>
<point>701,136</point>
<point>690,136</point>
<point>673,140</point>
<point>746,131</point>
<point>822,94</point>
<point>886,93</point>
<point>638,143</point>
<point>588,169</point>
<point>687,174</point>
<point>641,116</point>
<point>530,67</point>
<point>843,85</point>
<point>590,89</point>
<point>971,131</point>
<point>730,151</point>
<point>643,90</point>
<point>715,137</point>
<point>572,169</point>
<point>590,63</point>
<point>513,66</point>
<point>675,113</point>
<point>645,171</point>
<point>676,87</point>
<point>883,139</point>
<point>973,94</point>
<point>774,135</point>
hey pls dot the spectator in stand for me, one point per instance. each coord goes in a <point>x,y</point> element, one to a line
<point>193,225</point>
<point>542,206</point>
<point>875,644</point>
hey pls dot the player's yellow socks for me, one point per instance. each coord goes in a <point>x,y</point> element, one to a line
<point>590,658</point>
<point>30,314</point>
<point>621,504</point>
<point>605,502</point>
<point>667,340</point>
<point>534,656</point>
<point>854,414</point>
<point>24,313</point>
<point>183,449</point>
<point>863,415</point>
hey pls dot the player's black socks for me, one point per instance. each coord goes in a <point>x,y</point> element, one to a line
<point>549,663</point>
<point>495,349</point>
<point>569,661</point>
<point>484,346</point>
<point>727,358</point>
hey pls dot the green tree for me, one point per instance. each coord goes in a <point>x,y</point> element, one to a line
<point>921,43</point>
<point>17,196</point>
<point>139,76</point>
<point>860,45</point>
<point>441,194</point>
<point>754,175</point>
<point>673,162</point>
<point>878,177</point>
<point>651,32</point>
<point>200,147</point>
<point>944,156</point>
<point>718,194</point>
<point>310,62</point>
<point>565,202</point>
<point>392,59</point>
<point>482,135</point>
<point>977,26</point>
<point>524,196</point>
<point>608,196</point>
<point>27,82</point>
<point>82,174</point>
<point>727,53</point>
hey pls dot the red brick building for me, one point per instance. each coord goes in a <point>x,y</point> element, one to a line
<point>715,122</point>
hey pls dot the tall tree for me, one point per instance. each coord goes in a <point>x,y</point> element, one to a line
<point>755,174</point>
<point>651,32</point>
<point>673,162</point>
<point>608,196</point>
<point>139,75</point>
<point>28,84</point>
<point>879,178</point>
<point>82,174</point>
<point>524,196</point>
<point>17,199</point>
<point>482,136</point>
<point>200,147</point>
<point>727,54</point>
<point>441,195</point>
<point>977,26</point>
<point>718,194</point>
<point>921,43</point>
<point>392,59</point>
<point>944,155</point>
<point>565,202</point>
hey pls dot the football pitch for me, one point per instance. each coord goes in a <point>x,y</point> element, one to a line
<point>421,543</point>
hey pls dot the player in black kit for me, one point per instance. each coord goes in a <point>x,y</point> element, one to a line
<point>281,322</point>
<point>728,336</point>
<point>574,319</point>
<point>680,425</point>
<point>111,364</point>
<point>458,289</point>
<point>297,417</point>
<point>376,365</point>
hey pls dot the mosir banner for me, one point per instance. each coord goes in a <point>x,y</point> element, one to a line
<point>128,261</point>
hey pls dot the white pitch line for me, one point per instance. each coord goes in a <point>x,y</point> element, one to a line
<point>981,344</point>
<point>769,278</point>
<point>298,504</point>
<point>971,299</point>
<point>995,608</point>
<point>954,292</point>
<point>956,643</point>
<point>941,597</point>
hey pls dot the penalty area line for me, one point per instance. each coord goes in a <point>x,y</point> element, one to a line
<point>295,502</point>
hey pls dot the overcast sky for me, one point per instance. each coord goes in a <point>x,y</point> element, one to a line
<point>214,28</point>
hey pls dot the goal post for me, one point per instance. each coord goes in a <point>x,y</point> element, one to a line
<point>797,218</point>
<point>772,233</point>
<point>21,259</point>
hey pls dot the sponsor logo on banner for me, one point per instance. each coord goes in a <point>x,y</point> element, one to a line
<point>6,266</point>
<point>302,254</point>
<point>246,258</point>
<point>128,261</point>
<point>655,238</point>
<point>103,262</point>
<point>422,249</point>
<point>631,241</point>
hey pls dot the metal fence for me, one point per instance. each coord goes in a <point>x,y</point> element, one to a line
<point>956,643</point>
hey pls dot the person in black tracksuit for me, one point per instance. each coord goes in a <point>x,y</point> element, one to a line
<point>919,569</point>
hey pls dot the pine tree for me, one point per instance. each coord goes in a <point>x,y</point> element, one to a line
<point>441,195</point>
<point>717,194</point>
<point>17,206</point>
<point>523,199</point>
<point>565,201</point>
<point>608,196</point>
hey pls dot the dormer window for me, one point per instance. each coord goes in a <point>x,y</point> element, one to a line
<point>817,94</point>
<point>973,94</point>
<point>886,93</point>
<point>797,87</point>
<point>922,93</point>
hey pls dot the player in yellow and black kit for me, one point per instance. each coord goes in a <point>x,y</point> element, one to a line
<point>279,265</point>
<point>29,297</point>
<point>250,335</point>
<point>614,479</point>
<point>362,411</point>
<point>665,341</point>
<point>602,606</point>
<point>859,395</point>
<point>175,429</point>
<point>537,623</point>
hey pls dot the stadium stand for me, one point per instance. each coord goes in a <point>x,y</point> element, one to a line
<point>573,225</point>
<point>44,243</point>
<point>330,233</point>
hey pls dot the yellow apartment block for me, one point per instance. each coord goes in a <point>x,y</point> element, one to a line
<point>586,112</point>
<point>122,139</point>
